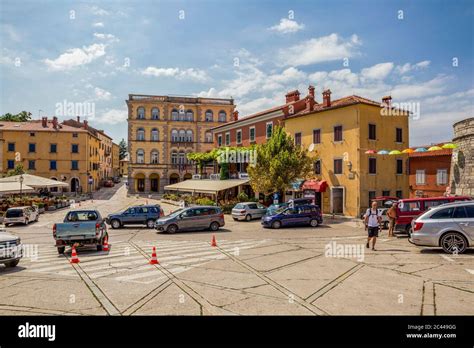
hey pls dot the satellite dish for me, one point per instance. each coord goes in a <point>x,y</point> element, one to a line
<point>311,147</point>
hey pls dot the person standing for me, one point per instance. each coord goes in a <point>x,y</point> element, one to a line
<point>392,218</point>
<point>372,220</point>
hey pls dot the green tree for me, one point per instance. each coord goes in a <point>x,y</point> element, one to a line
<point>122,149</point>
<point>279,163</point>
<point>17,171</point>
<point>23,116</point>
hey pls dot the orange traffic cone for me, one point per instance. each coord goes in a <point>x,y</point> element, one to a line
<point>154,260</point>
<point>74,258</point>
<point>105,247</point>
<point>213,243</point>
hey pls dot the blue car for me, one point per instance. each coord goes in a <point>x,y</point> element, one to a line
<point>301,215</point>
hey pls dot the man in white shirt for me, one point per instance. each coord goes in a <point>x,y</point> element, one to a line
<point>372,220</point>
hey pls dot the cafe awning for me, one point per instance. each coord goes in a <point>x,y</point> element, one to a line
<point>205,185</point>
<point>317,185</point>
<point>14,187</point>
<point>34,181</point>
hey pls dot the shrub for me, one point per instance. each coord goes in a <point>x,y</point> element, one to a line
<point>242,197</point>
<point>205,201</point>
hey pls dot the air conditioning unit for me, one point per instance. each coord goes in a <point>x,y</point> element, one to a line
<point>243,175</point>
<point>197,177</point>
<point>215,176</point>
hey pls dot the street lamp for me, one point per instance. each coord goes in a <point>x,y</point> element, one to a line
<point>21,183</point>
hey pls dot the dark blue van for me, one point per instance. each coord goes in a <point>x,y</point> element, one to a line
<point>301,215</point>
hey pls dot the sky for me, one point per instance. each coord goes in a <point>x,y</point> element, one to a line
<point>69,58</point>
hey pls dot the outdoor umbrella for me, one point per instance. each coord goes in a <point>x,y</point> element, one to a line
<point>394,152</point>
<point>382,152</point>
<point>434,148</point>
<point>421,149</point>
<point>408,150</point>
<point>449,146</point>
<point>370,152</point>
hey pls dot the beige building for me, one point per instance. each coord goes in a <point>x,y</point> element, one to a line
<point>162,130</point>
<point>115,160</point>
<point>123,169</point>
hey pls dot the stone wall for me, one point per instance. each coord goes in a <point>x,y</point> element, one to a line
<point>462,165</point>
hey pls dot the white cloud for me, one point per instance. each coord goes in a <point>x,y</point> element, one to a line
<point>113,116</point>
<point>287,26</point>
<point>11,32</point>
<point>378,71</point>
<point>75,57</point>
<point>107,37</point>
<point>403,69</point>
<point>98,25</point>
<point>96,10</point>
<point>102,94</point>
<point>317,50</point>
<point>421,89</point>
<point>190,73</point>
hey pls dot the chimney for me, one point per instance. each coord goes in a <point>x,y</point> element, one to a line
<point>86,124</point>
<point>311,91</point>
<point>308,103</point>
<point>235,115</point>
<point>44,122</point>
<point>292,96</point>
<point>78,118</point>
<point>327,98</point>
<point>387,101</point>
<point>55,122</point>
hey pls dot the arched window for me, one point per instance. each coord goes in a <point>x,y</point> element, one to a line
<point>182,135</point>
<point>209,116</point>
<point>174,157</point>
<point>189,136</point>
<point>182,114</point>
<point>140,156</point>
<point>182,157</point>
<point>155,135</point>
<point>188,161</point>
<point>189,115</point>
<point>154,157</point>
<point>222,116</point>
<point>208,137</point>
<point>174,115</point>
<point>141,113</point>
<point>140,134</point>
<point>174,135</point>
<point>155,114</point>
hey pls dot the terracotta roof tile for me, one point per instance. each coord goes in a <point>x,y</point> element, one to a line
<point>37,126</point>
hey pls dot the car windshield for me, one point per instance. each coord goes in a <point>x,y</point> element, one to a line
<point>176,213</point>
<point>240,206</point>
<point>14,213</point>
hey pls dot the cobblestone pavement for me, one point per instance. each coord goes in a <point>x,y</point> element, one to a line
<point>302,271</point>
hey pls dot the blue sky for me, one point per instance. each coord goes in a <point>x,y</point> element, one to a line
<point>94,53</point>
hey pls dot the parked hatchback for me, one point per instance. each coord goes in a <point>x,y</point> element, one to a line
<point>192,219</point>
<point>11,250</point>
<point>21,215</point>
<point>297,216</point>
<point>248,211</point>
<point>136,215</point>
<point>449,226</point>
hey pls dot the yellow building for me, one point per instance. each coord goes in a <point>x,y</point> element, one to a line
<point>52,150</point>
<point>124,166</point>
<point>162,130</point>
<point>338,133</point>
<point>115,160</point>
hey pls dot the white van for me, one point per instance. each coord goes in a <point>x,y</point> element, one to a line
<point>22,215</point>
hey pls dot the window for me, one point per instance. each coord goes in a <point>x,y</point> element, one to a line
<point>435,203</point>
<point>470,211</point>
<point>74,165</point>
<point>459,213</point>
<point>32,147</point>
<point>386,193</point>
<point>174,115</point>
<point>189,136</point>
<point>155,114</point>
<point>154,135</point>
<point>208,137</point>
<point>181,158</point>
<point>443,214</point>
<point>32,134</point>
<point>31,165</point>
<point>398,135</point>
<point>189,115</point>
<point>140,156</point>
<point>317,167</point>
<point>372,165</point>
<point>372,132</point>
<point>222,116</point>
<point>252,134</point>
<point>269,130</point>
<point>53,148</point>
<point>140,134</point>
<point>154,157</point>
<point>141,113</point>
<point>316,136</point>
<point>399,166</point>
<point>337,133</point>
<point>399,193</point>
<point>209,116</point>
<point>174,135</point>
<point>298,139</point>
<point>11,147</point>
<point>227,138</point>
<point>338,166</point>
<point>420,177</point>
<point>409,206</point>
<point>371,196</point>
<point>174,157</point>
<point>239,136</point>
<point>442,177</point>
<point>11,164</point>
<point>182,135</point>
<point>52,165</point>
<point>74,135</point>
<point>75,148</point>
<point>219,140</point>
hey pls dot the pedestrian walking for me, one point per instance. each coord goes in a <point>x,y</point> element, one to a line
<point>392,218</point>
<point>372,219</point>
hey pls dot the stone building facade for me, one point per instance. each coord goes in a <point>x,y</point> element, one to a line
<point>462,164</point>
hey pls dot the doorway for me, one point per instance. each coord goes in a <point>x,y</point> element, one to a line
<point>337,201</point>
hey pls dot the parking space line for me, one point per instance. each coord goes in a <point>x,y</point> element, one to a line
<point>447,258</point>
<point>470,271</point>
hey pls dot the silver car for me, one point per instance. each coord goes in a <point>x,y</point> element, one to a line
<point>449,226</point>
<point>248,211</point>
<point>11,250</point>
<point>192,219</point>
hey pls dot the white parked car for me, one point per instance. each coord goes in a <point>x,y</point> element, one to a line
<point>11,250</point>
<point>22,215</point>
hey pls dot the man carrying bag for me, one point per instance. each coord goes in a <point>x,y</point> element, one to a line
<point>372,219</point>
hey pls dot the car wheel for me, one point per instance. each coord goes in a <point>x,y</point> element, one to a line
<point>314,223</point>
<point>61,250</point>
<point>37,218</point>
<point>385,225</point>
<point>150,223</point>
<point>115,224</point>
<point>248,217</point>
<point>26,222</point>
<point>12,263</point>
<point>99,247</point>
<point>408,230</point>
<point>276,224</point>
<point>453,243</point>
<point>214,226</point>
<point>235,219</point>
<point>172,229</point>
